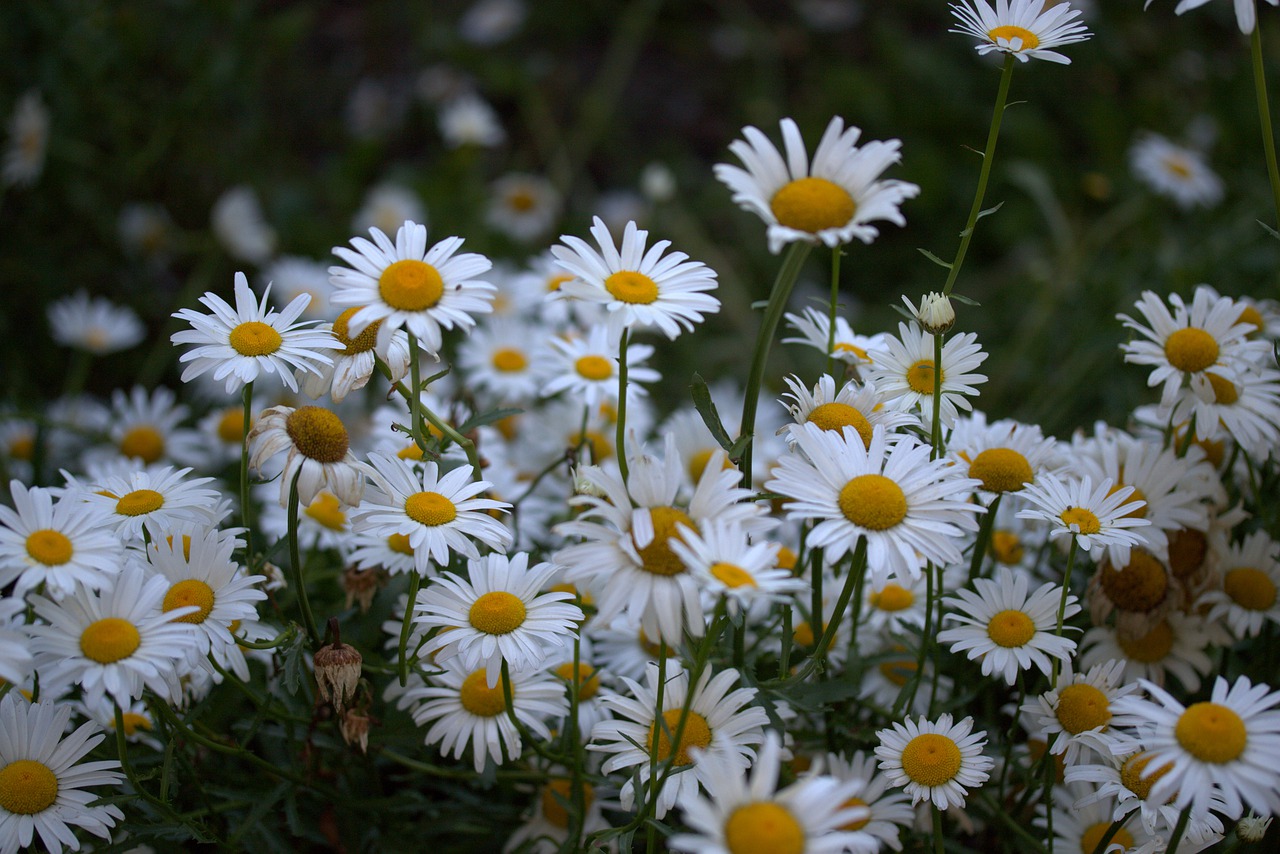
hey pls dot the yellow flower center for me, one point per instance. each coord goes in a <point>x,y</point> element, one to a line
<point>554,282</point>
<point>1249,588</point>
<point>763,827</point>
<point>481,700</point>
<point>920,377</point>
<point>317,433</point>
<point>812,205</point>
<point>787,560</point>
<point>399,543</point>
<point>255,338</point>
<point>410,285</point>
<point>860,823</point>
<point>509,360</point>
<point>326,511</point>
<point>892,597</point>
<point>837,416</point>
<point>22,448</point>
<point>1191,349</point>
<point>497,613</point>
<point>190,592</point>
<point>557,794</point>
<point>430,508</point>
<point>1007,547</point>
<point>594,367</point>
<point>658,558</point>
<point>1131,776</point>
<point>1083,520</point>
<point>1009,32</point>
<point>143,442</point>
<point>109,640</point>
<point>139,502</point>
<point>1011,628</point>
<point>1139,586</point>
<point>27,787</point>
<point>1093,835</point>
<point>1250,314</point>
<point>1187,550</point>
<point>588,679</point>
<point>132,723</point>
<point>1211,732</point>
<point>49,547</point>
<point>931,759</point>
<point>873,501</point>
<point>802,634</point>
<point>363,342</point>
<point>854,349</point>
<point>696,734</point>
<point>898,672</point>
<point>601,447</point>
<point>1178,166</point>
<point>1082,707</point>
<point>1151,647</point>
<point>1136,495</point>
<point>231,425</point>
<point>732,575</point>
<point>1001,470</point>
<point>630,286</point>
<point>1224,390</point>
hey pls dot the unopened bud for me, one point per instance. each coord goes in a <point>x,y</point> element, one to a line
<point>338,669</point>
<point>355,725</point>
<point>1252,828</point>
<point>361,585</point>
<point>935,313</point>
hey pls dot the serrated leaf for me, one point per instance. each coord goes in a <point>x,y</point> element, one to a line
<point>707,409</point>
<point>934,258</point>
<point>487,418</point>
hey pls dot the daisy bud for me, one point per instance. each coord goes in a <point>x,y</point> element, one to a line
<point>355,728</point>
<point>337,672</point>
<point>935,313</point>
<point>1253,827</point>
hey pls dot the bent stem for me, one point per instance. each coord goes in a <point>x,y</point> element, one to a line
<point>983,542</point>
<point>295,563</point>
<point>620,436</point>
<point>1264,114</point>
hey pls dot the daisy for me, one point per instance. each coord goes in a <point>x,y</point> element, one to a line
<point>1007,629</point>
<point>145,426</point>
<point>157,497</point>
<point>722,558</point>
<point>322,524</point>
<point>856,405</point>
<point>507,359</point>
<point>291,277</point>
<point>586,368</point>
<point>638,288</point>
<point>28,140</point>
<point>719,722</point>
<point>463,707</point>
<point>114,643</point>
<point>1122,784</point>
<point>938,762</point>
<point>440,514</point>
<point>1099,519</point>
<point>97,326</point>
<point>354,364</point>
<point>468,119</point>
<point>41,786</point>
<point>1246,15</point>
<point>406,285</point>
<point>523,207</point>
<point>1176,644</point>
<point>834,199</point>
<point>904,372</point>
<point>56,545</point>
<point>1080,827</point>
<point>1228,745</point>
<point>1005,455</point>
<point>814,327</point>
<point>546,829</point>
<point>1250,579</point>
<point>910,510</point>
<point>1021,28</point>
<point>497,615</point>
<point>319,453</point>
<point>15,657</point>
<point>240,226</point>
<point>892,604</point>
<point>386,206</point>
<point>1246,408</point>
<point>743,816</point>
<point>1080,715</point>
<point>1175,171</point>
<point>887,809</point>
<point>376,551</point>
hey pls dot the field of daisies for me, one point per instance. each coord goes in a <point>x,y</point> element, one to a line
<point>729,428</point>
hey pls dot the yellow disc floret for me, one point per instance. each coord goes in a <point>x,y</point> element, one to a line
<point>317,433</point>
<point>1093,835</point>
<point>732,576</point>
<point>399,543</point>
<point>1191,349</point>
<point>363,342</point>
<point>920,376</point>
<point>813,205</point>
<point>1224,390</point>
<point>139,502</point>
<point>696,734</point>
<point>255,338</point>
<point>873,501</point>
<point>892,597</point>
<point>410,285</point>
<point>1133,778</point>
<point>588,679</point>
<point>497,613</point>
<point>763,827</point>
<point>1007,547</point>
<point>657,556</point>
<point>630,286</point>
<point>509,360</point>
<point>1082,707</point>
<point>231,425</point>
<point>1251,589</point>
<point>1011,628</point>
<point>1001,470</point>
<point>1211,732</point>
<point>931,759</point>
<point>557,794</point>
<point>27,787</point>
<point>190,592</point>
<point>481,700</point>
<point>1140,586</point>
<point>143,442</point>
<point>109,640</point>
<point>1151,647</point>
<point>853,803</point>
<point>837,416</point>
<point>1009,32</point>
<point>430,508</point>
<point>594,367</point>
<point>49,547</point>
<point>1081,520</point>
<point>326,511</point>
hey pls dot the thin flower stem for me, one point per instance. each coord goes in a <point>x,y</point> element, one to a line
<point>935,429</point>
<point>244,475</point>
<point>659,724</point>
<point>295,562</point>
<point>1264,114</point>
<point>526,737</point>
<point>856,570</point>
<point>908,694</point>
<point>415,399</point>
<point>937,829</point>
<point>620,448</point>
<point>468,447</point>
<point>577,795</point>
<point>1178,830</point>
<point>831,317</point>
<point>782,286</point>
<point>1062,607</point>
<point>981,544</point>
<point>988,157</point>
<point>406,628</point>
<point>1050,776</point>
<point>817,564</point>
<point>1115,827</point>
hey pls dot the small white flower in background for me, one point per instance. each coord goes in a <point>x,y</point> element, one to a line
<point>658,182</point>
<point>28,141</point>
<point>814,327</point>
<point>145,230</point>
<point>97,325</point>
<point>1099,519</point>
<point>289,277</point>
<point>240,226</point>
<point>523,207</point>
<point>16,663</point>
<point>155,496</point>
<point>1246,14</point>
<point>353,365</point>
<point>1175,171</point>
<point>386,207</point>
<point>587,368</point>
<point>490,22</point>
<point>1023,28</point>
<point>935,312</point>
<point>375,108</point>
<point>904,372</point>
<point>468,119</point>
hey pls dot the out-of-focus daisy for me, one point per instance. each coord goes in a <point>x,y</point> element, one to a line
<point>491,22</point>
<point>910,509</point>
<point>97,326</point>
<point>856,405</point>
<point>146,426</point>
<point>56,545</point>
<point>496,615</point>
<point>621,648</point>
<point>408,285</point>
<point>322,524</point>
<point>42,788</point>
<point>727,564</point>
<point>1250,579</point>
<point>1247,408</point>
<point>1080,827</point>
<point>639,288</point>
<point>1176,171</point>
<point>506,358</point>
<point>1098,519</point>
<point>113,643</point>
<point>1174,645</point>
<point>468,119</point>
<point>1246,14</point>
<point>291,276</point>
<point>240,226</point>
<point>440,513</point>
<point>1021,28</point>
<point>934,761</point>
<point>159,497</point>
<point>1080,714</point>
<point>546,830</point>
<point>892,604</point>
<point>15,656</point>
<point>462,708</point>
<point>887,808</point>
<point>1122,784</point>
<point>1005,455</point>
<point>587,368</point>
<point>28,140</point>
<point>386,207</point>
<point>523,207</point>
<point>146,231</point>
<point>814,327</point>
<point>720,723</point>
<point>319,452</point>
<point>354,364</point>
<point>833,199</point>
<point>744,815</point>
<point>904,372</point>
<point>239,343</point>
<point>1006,628</point>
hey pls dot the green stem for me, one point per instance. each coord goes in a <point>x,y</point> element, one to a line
<point>1178,830</point>
<point>295,562</point>
<point>415,399</point>
<point>621,432</point>
<point>988,157</point>
<point>908,694</point>
<point>1062,605</point>
<point>935,428</point>
<point>1264,114</point>
<point>244,474</point>
<point>406,628</point>
<point>937,828</point>
<point>856,571</point>
<point>782,286</point>
<point>817,577</point>
<point>1115,827</point>
<point>983,541</point>
<point>526,737</point>
<point>831,317</point>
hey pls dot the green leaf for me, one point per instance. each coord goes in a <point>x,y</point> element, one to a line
<point>707,409</point>
<point>934,258</point>
<point>1270,230</point>
<point>487,418</point>
<point>961,298</point>
<point>295,664</point>
<point>981,214</point>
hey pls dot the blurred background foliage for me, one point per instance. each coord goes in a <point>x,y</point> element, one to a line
<point>172,102</point>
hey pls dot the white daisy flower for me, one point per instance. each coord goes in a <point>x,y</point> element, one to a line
<point>546,830</point>
<point>719,722</point>
<point>892,604</point>
<point>1021,28</point>
<point>42,788</point>
<point>322,524</point>
<point>1246,408</point>
<point>722,558</point>
<point>1122,785</point>
<point>290,277</point>
<point>97,326</point>
<point>114,643</point>
<point>523,207</point>
<point>911,510</point>
<point>1174,645</point>
<point>1250,580</point>
<point>1246,14</point>
<point>586,368</point>
<point>934,761</point>
<point>240,226</point>
<point>1175,171</point>
<point>638,288</point>
<point>144,426</point>
<point>468,119</point>
<point>440,513</point>
<point>753,815</point>
<point>1080,715</point>
<point>857,405</point>
<point>239,343</point>
<point>56,545</point>
<point>1005,455</point>
<point>1228,745</point>
<point>406,285</point>
<point>833,200</point>
<point>507,358</point>
<point>15,657</point>
<point>28,141</point>
<point>887,810</point>
<point>1098,519</point>
<point>390,552</point>
<point>155,497</point>
<point>1080,827</point>
<point>904,372</point>
<point>319,453</point>
<point>353,365</point>
<point>497,615</point>
<point>386,207</point>
<point>621,648</point>
<point>814,327</point>
<point>1006,628</point>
